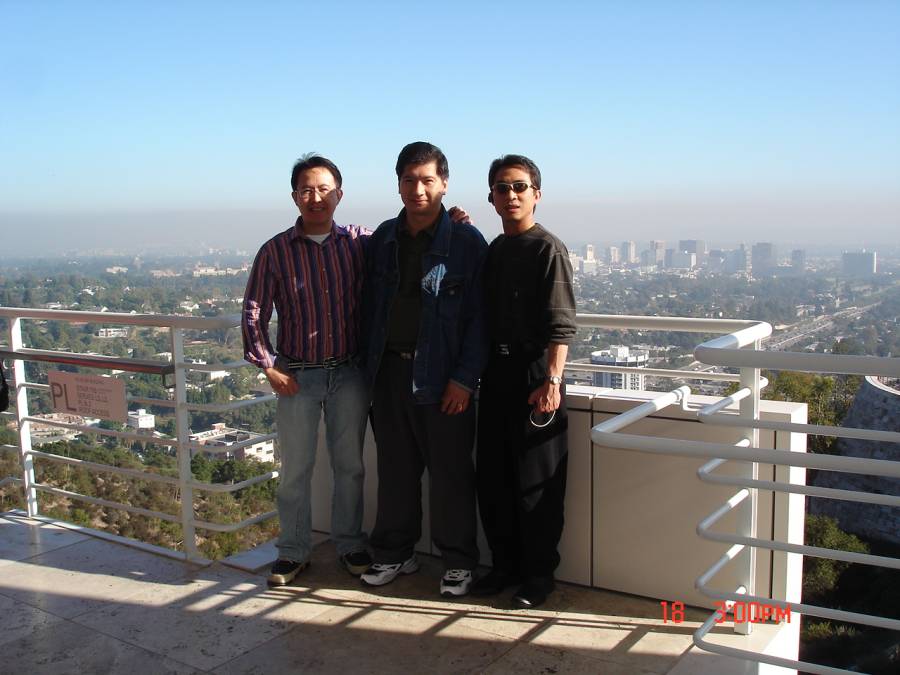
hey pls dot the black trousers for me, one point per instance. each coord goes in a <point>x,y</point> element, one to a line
<point>411,437</point>
<point>521,469</point>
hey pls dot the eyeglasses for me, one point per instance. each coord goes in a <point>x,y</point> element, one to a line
<point>518,187</point>
<point>307,193</point>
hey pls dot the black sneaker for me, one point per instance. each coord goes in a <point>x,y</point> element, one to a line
<point>283,571</point>
<point>533,592</point>
<point>496,581</point>
<point>356,562</point>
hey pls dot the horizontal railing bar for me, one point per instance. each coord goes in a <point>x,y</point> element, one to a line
<point>119,539</point>
<point>713,354</point>
<point>103,432</point>
<point>219,527</point>
<point>810,490</point>
<point>747,655</point>
<point>9,448</point>
<point>122,471</point>
<point>160,402</point>
<point>121,318</point>
<point>231,405</point>
<point>10,480</point>
<point>816,551</point>
<point>234,487</point>
<point>733,420</point>
<point>639,412</point>
<point>664,323</point>
<point>656,372</point>
<point>704,530</point>
<point>104,502</point>
<point>812,610</point>
<point>676,446</point>
<point>206,367</point>
<point>90,360</point>
<point>717,566</point>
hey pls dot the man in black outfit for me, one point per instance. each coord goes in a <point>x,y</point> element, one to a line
<point>522,422</point>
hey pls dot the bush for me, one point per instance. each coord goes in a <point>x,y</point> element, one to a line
<point>820,576</point>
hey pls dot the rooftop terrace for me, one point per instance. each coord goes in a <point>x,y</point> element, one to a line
<point>73,603</point>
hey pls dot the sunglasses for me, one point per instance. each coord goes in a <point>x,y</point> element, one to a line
<point>518,187</point>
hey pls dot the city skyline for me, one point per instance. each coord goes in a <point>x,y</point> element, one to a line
<point>144,123</point>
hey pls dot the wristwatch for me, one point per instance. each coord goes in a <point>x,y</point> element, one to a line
<point>554,379</point>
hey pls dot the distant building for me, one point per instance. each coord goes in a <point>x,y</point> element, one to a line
<point>575,261</point>
<point>589,252</point>
<point>657,252</point>
<point>798,261</point>
<point>620,356</point>
<point>682,260</point>
<point>859,263</point>
<point>140,419</point>
<point>612,255</point>
<point>121,332</point>
<point>117,269</point>
<point>220,436</point>
<point>628,253</point>
<point>42,434</point>
<point>695,246</point>
<point>763,259</point>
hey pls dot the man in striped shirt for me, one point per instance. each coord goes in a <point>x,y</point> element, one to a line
<point>312,275</point>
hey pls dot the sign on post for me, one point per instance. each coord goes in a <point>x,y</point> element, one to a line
<point>88,395</point>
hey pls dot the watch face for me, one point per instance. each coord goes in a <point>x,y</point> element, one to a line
<point>555,379</point>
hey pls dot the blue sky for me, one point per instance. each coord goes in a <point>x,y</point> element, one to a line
<point>720,120</point>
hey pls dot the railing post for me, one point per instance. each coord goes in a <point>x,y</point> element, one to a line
<point>749,409</point>
<point>184,452</point>
<point>21,397</point>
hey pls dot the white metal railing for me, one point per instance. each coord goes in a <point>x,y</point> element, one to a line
<point>741,349</point>
<point>738,347</point>
<point>181,443</point>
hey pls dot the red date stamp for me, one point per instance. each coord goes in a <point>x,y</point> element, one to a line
<point>742,612</point>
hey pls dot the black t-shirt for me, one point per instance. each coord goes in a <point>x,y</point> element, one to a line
<point>529,297</point>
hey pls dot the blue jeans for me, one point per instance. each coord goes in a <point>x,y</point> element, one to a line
<point>343,396</point>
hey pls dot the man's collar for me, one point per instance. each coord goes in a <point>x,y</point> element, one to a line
<point>298,233</point>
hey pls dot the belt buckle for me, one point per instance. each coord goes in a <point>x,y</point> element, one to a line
<point>503,349</point>
<point>330,363</point>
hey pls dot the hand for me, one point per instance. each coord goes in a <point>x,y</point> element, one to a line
<point>545,398</point>
<point>455,399</point>
<point>282,383</point>
<point>458,215</point>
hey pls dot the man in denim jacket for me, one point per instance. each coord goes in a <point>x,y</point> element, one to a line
<point>426,346</point>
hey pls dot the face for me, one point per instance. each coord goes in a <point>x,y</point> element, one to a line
<point>421,189</point>
<point>317,196</point>
<point>515,207</point>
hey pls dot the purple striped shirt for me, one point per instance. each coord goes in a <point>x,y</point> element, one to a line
<point>314,288</point>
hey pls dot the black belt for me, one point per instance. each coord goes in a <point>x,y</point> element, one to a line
<point>406,356</point>
<point>327,364</point>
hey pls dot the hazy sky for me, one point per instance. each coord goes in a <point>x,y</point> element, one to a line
<point>129,123</point>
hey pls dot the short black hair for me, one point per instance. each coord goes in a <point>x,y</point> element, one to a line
<point>313,161</point>
<point>507,161</point>
<point>419,153</point>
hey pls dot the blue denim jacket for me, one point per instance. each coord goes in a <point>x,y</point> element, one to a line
<point>452,343</point>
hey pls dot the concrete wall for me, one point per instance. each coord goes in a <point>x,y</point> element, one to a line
<point>631,517</point>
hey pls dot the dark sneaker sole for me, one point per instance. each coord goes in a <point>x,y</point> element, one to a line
<point>454,594</point>
<point>285,579</point>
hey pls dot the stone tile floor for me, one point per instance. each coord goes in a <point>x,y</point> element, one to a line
<point>72,603</point>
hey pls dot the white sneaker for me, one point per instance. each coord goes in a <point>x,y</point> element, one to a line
<point>380,574</point>
<point>456,583</point>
